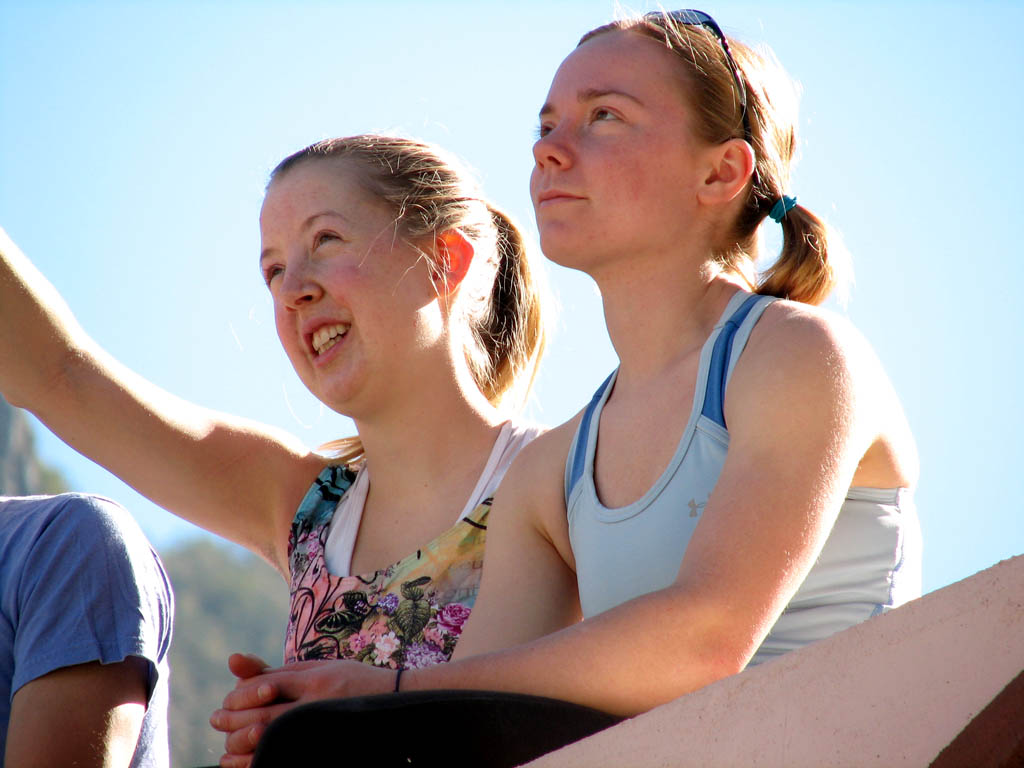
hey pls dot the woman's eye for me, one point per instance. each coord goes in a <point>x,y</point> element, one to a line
<point>542,130</point>
<point>324,237</point>
<point>269,273</point>
<point>601,114</point>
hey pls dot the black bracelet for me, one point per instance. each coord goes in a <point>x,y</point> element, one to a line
<point>398,678</point>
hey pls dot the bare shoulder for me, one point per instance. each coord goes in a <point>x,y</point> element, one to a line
<point>791,324</point>
<point>804,346</point>
<point>805,363</point>
<point>534,486</point>
<point>544,455</point>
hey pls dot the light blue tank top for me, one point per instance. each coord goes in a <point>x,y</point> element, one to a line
<point>871,561</point>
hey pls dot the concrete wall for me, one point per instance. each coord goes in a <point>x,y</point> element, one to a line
<point>890,692</point>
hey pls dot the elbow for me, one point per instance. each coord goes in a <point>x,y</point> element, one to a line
<point>704,663</point>
<point>724,659</point>
<point>726,664</point>
<point>719,652</point>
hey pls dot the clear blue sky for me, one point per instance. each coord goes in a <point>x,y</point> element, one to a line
<point>135,140</point>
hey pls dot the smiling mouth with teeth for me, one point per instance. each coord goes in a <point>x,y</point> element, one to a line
<point>327,337</point>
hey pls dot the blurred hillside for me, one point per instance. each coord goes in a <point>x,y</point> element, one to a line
<point>21,472</point>
<point>226,600</point>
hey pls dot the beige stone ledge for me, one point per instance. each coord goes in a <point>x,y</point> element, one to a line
<point>893,691</point>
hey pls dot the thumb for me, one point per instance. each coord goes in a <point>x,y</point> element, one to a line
<point>246,665</point>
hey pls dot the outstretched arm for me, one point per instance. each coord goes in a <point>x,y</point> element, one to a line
<point>236,478</point>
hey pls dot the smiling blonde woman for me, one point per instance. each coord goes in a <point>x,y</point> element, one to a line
<point>405,301</point>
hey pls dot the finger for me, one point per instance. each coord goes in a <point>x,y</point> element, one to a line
<point>246,665</point>
<point>257,694</point>
<point>228,721</point>
<point>235,761</point>
<point>244,741</point>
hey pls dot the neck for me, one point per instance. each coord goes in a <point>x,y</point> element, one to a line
<point>659,311</point>
<point>436,439</point>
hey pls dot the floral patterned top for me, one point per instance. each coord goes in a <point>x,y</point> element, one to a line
<point>407,615</point>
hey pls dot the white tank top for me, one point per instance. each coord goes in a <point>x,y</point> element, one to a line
<point>870,562</point>
<point>341,536</point>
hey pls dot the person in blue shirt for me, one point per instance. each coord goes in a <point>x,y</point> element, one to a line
<point>85,629</point>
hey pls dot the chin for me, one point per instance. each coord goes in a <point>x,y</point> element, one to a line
<point>336,395</point>
<point>567,253</point>
<point>559,246</point>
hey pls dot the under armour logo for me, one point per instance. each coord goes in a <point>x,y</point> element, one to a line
<point>695,508</point>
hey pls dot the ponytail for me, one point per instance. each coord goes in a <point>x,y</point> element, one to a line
<point>513,332</point>
<point>812,258</point>
<point>804,271</point>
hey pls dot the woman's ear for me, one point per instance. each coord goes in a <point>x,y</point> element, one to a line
<point>454,253</point>
<point>731,166</point>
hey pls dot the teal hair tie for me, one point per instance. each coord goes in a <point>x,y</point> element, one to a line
<point>782,206</point>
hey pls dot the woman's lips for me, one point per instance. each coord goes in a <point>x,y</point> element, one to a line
<point>556,196</point>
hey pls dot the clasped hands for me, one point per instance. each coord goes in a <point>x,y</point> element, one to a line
<point>262,694</point>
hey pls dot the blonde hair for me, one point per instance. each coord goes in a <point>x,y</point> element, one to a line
<point>807,266</point>
<point>503,297</point>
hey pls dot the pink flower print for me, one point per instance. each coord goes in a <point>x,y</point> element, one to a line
<point>376,631</point>
<point>434,635</point>
<point>384,647</point>
<point>451,618</point>
<point>357,642</point>
<point>365,638</point>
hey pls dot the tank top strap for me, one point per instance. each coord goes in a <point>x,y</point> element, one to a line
<point>728,338</point>
<point>318,505</point>
<point>576,461</point>
<point>732,338</point>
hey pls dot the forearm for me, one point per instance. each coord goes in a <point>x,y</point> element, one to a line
<point>49,365</point>
<point>641,654</point>
<point>226,474</point>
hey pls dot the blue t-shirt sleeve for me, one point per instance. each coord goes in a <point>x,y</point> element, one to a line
<point>91,589</point>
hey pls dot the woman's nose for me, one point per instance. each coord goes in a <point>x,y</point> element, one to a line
<point>299,287</point>
<point>551,150</point>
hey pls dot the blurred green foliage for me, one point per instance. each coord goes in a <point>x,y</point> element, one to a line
<point>226,600</point>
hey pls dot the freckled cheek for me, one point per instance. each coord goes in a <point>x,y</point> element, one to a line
<point>627,176</point>
<point>534,179</point>
<point>287,333</point>
<point>340,278</point>
<point>643,186</point>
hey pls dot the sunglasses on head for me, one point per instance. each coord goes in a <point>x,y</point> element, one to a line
<point>695,18</point>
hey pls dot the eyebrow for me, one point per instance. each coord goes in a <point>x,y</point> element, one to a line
<point>589,94</point>
<point>305,225</point>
